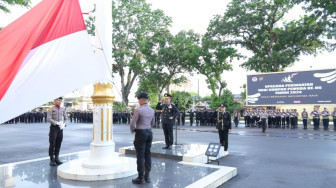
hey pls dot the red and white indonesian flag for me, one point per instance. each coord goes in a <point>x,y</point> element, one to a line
<point>45,54</point>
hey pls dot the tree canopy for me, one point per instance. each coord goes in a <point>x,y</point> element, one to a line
<point>259,27</point>
<point>4,4</point>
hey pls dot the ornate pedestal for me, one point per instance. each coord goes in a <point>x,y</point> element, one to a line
<point>104,163</point>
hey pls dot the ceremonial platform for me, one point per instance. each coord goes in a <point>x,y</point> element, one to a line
<point>183,152</point>
<point>168,170</point>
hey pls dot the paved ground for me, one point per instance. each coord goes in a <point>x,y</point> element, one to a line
<point>278,158</point>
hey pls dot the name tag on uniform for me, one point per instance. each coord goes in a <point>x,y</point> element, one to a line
<point>170,106</point>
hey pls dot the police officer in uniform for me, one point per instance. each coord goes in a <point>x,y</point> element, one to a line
<point>183,115</point>
<point>57,116</point>
<point>191,117</point>
<point>287,118</point>
<point>178,119</point>
<point>224,127</point>
<point>333,114</point>
<point>236,118</point>
<point>168,114</point>
<point>316,118</point>
<point>325,115</point>
<point>141,123</point>
<point>304,116</point>
<point>198,117</point>
<point>283,118</point>
<point>263,117</point>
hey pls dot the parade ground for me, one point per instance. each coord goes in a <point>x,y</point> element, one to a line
<point>277,158</point>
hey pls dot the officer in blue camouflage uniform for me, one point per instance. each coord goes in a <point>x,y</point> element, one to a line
<point>56,116</point>
<point>168,114</point>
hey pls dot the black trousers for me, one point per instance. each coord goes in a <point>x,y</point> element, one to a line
<point>304,123</point>
<point>157,120</point>
<point>236,121</point>
<point>191,120</point>
<point>287,121</point>
<point>335,123</point>
<point>325,124</point>
<point>263,124</point>
<point>292,120</point>
<point>55,140</point>
<point>142,144</point>
<point>224,138</point>
<point>316,123</point>
<point>183,120</point>
<point>283,121</point>
<point>168,133</point>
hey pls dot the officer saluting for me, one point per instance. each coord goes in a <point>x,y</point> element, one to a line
<point>57,117</point>
<point>168,114</point>
<point>141,124</point>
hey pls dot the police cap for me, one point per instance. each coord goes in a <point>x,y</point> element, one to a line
<point>142,95</point>
<point>167,95</point>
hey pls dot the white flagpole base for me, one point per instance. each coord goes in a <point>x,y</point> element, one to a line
<point>103,164</point>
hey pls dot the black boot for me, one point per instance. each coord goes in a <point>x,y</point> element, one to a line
<point>52,161</point>
<point>147,178</point>
<point>58,162</point>
<point>139,180</point>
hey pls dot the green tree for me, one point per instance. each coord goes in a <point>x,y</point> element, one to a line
<point>259,27</point>
<point>119,106</point>
<point>216,58</point>
<point>89,22</point>
<point>168,57</point>
<point>182,100</point>
<point>5,3</point>
<point>227,99</point>
<point>195,96</point>
<point>133,22</point>
<point>324,11</point>
<point>243,94</point>
<point>148,86</point>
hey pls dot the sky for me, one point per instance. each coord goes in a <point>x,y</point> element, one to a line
<point>195,15</point>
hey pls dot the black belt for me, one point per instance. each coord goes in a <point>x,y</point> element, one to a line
<point>142,130</point>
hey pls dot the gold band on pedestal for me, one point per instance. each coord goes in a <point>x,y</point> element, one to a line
<point>102,94</point>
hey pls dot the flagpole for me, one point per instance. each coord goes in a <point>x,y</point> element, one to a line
<point>103,163</point>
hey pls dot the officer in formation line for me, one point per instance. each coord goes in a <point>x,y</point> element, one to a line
<point>304,116</point>
<point>157,117</point>
<point>236,117</point>
<point>168,115</point>
<point>29,117</point>
<point>81,116</point>
<point>121,117</point>
<point>204,117</point>
<point>278,119</point>
<point>333,114</point>
<point>275,118</point>
<point>325,118</point>
<point>191,117</point>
